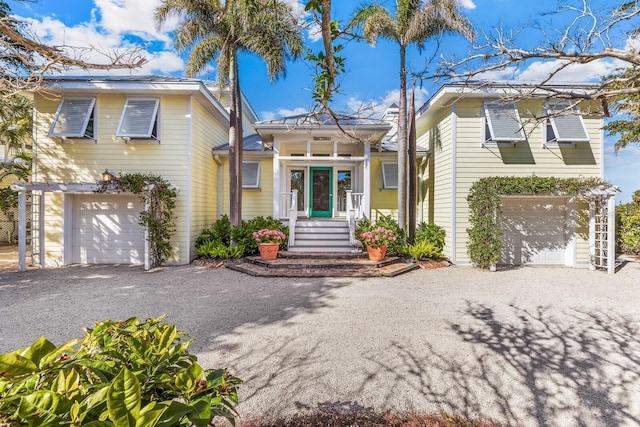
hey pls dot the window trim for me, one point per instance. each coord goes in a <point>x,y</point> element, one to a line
<point>384,172</point>
<point>153,120</point>
<point>89,113</point>
<point>488,125</point>
<point>550,108</point>
<point>256,184</point>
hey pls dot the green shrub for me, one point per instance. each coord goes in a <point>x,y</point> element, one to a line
<point>431,233</point>
<point>121,373</point>
<point>423,250</point>
<point>216,249</point>
<point>629,228</point>
<point>244,235</point>
<point>219,232</point>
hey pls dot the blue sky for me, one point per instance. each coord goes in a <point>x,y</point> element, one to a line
<point>371,77</point>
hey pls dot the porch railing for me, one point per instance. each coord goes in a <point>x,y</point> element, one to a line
<point>355,204</point>
<point>289,210</point>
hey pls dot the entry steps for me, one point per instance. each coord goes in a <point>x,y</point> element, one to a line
<point>321,235</point>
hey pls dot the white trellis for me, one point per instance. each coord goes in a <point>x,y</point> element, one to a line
<point>602,228</point>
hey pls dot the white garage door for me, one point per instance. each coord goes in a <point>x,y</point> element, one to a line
<point>105,229</point>
<point>534,231</point>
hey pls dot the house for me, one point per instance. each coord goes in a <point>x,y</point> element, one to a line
<point>86,125</point>
<point>316,172</point>
<point>475,131</point>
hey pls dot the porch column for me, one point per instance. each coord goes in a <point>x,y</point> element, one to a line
<point>276,178</point>
<point>366,183</point>
<point>611,234</point>
<point>22,230</point>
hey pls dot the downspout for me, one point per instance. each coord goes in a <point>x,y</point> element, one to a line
<point>454,144</point>
<point>220,186</point>
<point>421,170</point>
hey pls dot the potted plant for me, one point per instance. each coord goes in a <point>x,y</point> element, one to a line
<point>376,241</point>
<point>268,242</point>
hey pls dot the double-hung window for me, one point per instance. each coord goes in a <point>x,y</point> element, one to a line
<point>501,124</point>
<point>564,125</point>
<point>139,119</point>
<point>251,174</point>
<point>389,175</point>
<point>75,118</point>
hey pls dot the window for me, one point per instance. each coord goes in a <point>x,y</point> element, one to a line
<point>389,175</point>
<point>250,174</point>
<point>74,118</point>
<point>501,123</point>
<point>565,125</point>
<point>139,118</point>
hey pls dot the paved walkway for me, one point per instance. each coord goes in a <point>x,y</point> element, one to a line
<point>528,347</point>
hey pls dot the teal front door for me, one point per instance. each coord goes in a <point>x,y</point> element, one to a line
<point>321,192</point>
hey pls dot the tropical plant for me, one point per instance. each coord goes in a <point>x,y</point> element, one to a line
<point>220,232</point>
<point>217,250</point>
<point>424,249</point>
<point>628,225</point>
<point>414,23</point>
<point>217,31</point>
<point>122,373</point>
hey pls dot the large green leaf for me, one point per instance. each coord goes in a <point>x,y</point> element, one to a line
<point>123,399</point>
<point>12,364</point>
<point>52,355</point>
<point>149,415</point>
<point>201,414</point>
<point>173,413</point>
<point>38,350</point>
<point>186,380</point>
<point>44,408</point>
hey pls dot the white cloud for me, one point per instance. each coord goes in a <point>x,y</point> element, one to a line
<point>539,71</point>
<point>132,17</point>
<point>376,108</point>
<point>283,112</point>
<point>467,4</point>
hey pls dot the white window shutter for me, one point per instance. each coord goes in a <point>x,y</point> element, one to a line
<point>250,174</point>
<point>390,175</point>
<point>503,122</point>
<point>567,126</point>
<point>72,117</point>
<point>138,118</point>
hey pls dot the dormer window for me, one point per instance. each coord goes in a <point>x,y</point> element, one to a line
<point>502,124</point>
<point>139,119</point>
<point>74,118</point>
<point>564,125</point>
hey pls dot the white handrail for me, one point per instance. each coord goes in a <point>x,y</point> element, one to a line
<point>289,208</point>
<point>355,202</point>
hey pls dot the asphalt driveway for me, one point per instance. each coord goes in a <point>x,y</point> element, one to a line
<point>529,346</point>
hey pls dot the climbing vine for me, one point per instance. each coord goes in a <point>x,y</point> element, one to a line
<point>485,237</point>
<point>158,218</point>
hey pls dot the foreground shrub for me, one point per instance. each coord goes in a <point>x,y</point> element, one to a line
<point>244,235</point>
<point>122,373</point>
<point>217,250</point>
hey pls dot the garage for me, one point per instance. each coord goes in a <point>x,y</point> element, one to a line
<point>105,229</point>
<point>536,231</point>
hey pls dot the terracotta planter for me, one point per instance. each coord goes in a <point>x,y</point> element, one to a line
<point>268,251</point>
<point>377,253</point>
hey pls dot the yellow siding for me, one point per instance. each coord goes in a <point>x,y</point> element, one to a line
<point>438,175</point>
<point>255,201</point>
<point>383,202</point>
<point>58,160</point>
<point>525,159</point>
<point>205,134</point>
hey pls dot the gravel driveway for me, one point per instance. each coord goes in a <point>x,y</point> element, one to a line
<point>529,346</point>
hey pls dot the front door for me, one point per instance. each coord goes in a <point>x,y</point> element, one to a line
<point>321,192</point>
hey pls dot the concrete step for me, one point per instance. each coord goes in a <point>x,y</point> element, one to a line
<point>321,236</point>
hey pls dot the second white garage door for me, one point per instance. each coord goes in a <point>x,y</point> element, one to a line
<point>535,231</point>
<point>105,229</point>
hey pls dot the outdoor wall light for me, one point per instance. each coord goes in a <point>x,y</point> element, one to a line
<point>107,177</point>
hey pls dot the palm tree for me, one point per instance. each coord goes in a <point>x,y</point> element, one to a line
<point>213,30</point>
<point>415,22</point>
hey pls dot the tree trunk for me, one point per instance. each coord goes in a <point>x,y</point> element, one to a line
<point>402,145</point>
<point>235,143</point>
<point>413,175</point>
